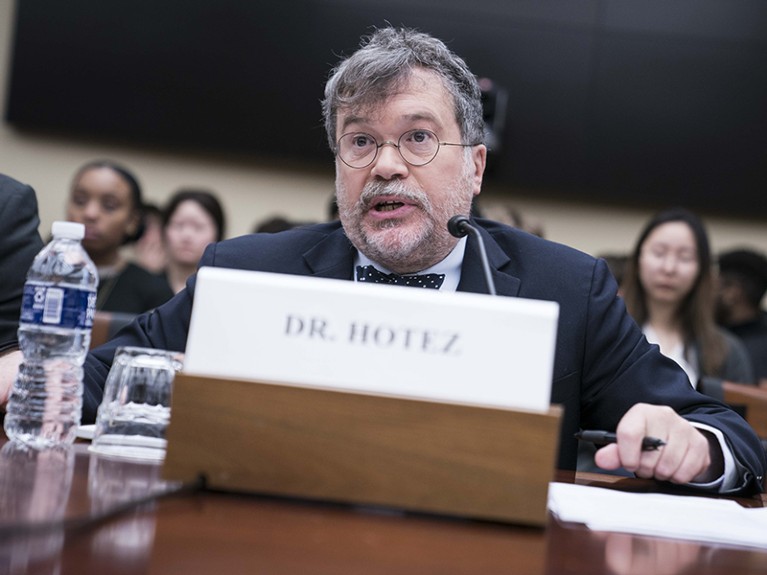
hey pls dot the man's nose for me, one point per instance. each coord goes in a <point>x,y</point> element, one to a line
<point>389,163</point>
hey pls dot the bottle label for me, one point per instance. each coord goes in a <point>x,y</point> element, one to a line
<point>58,306</point>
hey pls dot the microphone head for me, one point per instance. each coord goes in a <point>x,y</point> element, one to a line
<point>458,226</point>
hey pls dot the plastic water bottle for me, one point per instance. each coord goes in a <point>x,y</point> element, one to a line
<point>54,336</point>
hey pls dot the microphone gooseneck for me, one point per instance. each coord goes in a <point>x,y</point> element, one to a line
<point>459,226</point>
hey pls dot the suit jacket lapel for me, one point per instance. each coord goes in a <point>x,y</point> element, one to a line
<point>332,257</point>
<point>501,269</point>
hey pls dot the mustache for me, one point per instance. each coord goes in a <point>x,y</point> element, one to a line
<point>375,189</point>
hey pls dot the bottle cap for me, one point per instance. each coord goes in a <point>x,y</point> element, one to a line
<point>71,230</point>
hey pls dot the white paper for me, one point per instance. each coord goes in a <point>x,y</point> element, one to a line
<point>660,515</point>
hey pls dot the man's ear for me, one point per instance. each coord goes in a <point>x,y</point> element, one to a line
<point>479,158</point>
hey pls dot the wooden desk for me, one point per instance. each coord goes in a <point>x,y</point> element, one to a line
<point>209,533</point>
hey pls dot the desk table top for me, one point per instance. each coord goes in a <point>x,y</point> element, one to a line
<point>207,532</point>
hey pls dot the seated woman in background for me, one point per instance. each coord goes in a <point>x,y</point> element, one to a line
<point>106,198</point>
<point>668,288</point>
<point>192,219</point>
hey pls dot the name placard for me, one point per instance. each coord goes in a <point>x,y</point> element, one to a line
<point>390,340</point>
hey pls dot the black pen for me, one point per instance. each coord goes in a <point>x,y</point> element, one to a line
<point>605,437</point>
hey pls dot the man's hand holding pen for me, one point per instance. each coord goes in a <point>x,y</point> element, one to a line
<point>685,455</point>
<point>606,437</point>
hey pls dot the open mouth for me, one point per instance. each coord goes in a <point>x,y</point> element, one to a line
<point>388,206</point>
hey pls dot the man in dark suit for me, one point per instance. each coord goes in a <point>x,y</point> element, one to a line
<point>20,241</point>
<point>404,119</point>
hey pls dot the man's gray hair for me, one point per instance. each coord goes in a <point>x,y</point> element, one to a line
<point>384,62</point>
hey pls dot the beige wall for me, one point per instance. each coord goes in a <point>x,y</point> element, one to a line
<point>254,189</point>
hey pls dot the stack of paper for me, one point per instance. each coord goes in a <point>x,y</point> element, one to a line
<point>659,515</point>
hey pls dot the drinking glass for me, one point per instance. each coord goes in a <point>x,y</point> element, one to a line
<point>134,413</point>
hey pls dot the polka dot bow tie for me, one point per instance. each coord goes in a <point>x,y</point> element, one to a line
<point>371,275</point>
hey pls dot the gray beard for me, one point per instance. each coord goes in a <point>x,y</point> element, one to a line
<point>403,249</point>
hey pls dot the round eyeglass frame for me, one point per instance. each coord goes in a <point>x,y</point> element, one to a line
<point>396,145</point>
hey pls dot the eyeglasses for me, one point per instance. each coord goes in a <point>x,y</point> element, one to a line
<point>417,147</point>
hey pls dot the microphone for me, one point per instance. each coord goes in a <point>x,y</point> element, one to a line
<point>459,226</point>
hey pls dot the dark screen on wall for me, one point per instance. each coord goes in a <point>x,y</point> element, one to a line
<point>644,103</point>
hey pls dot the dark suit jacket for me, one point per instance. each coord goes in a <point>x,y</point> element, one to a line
<point>20,241</point>
<point>603,363</point>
